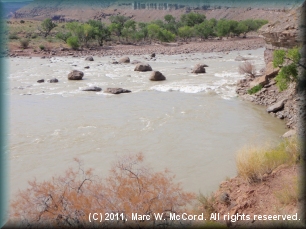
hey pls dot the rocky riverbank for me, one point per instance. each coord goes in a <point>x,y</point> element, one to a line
<point>224,45</point>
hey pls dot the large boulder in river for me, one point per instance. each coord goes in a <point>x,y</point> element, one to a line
<point>89,58</point>
<point>124,60</point>
<point>93,88</point>
<point>199,68</point>
<point>157,76</point>
<point>143,68</point>
<point>75,75</point>
<point>116,90</point>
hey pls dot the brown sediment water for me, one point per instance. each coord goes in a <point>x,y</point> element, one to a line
<point>191,124</point>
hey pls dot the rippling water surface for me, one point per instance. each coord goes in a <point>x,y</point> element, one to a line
<point>191,124</point>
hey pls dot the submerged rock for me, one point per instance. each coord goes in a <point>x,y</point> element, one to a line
<point>116,90</point>
<point>93,88</point>
<point>40,81</point>
<point>54,80</point>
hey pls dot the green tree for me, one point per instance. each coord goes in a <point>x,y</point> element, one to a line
<point>204,30</point>
<point>165,35</point>
<point>153,31</point>
<point>185,32</point>
<point>288,61</point>
<point>63,36</point>
<point>73,42</point>
<point>101,32</point>
<point>46,26</point>
<point>241,28</point>
<point>169,18</point>
<point>223,28</point>
<point>192,19</point>
<point>129,29</point>
<point>117,24</point>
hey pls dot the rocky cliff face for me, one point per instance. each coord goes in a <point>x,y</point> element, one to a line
<point>284,33</point>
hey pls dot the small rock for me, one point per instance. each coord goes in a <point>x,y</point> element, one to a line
<point>40,81</point>
<point>54,80</point>
<point>89,58</point>
<point>93,88</point>
<point>289,133</point>
<point>135,62</point>
<point>199,68</point>
<point>153,55</point>
<point>116,90</point>
<point>124,60</point>
<point>43,57</point>
<point>86,67</point>
<point>276,107</point>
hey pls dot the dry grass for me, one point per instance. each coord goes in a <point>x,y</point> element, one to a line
<point>207,205</point>
<point>289,194</point>
<point>247,68</point>
<point>253,162</point>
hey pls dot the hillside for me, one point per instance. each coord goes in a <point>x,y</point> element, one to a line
<point>72,10</point>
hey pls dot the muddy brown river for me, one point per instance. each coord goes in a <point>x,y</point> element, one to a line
<point>191,124</point>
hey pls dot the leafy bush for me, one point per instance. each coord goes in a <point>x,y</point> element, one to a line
<point>73,42</point>
<point>22,21</point>
<point>288,61</point>
<point>24,43</point>
<point>34,36</point>
<point>255,89</point>
<point>41,47</point>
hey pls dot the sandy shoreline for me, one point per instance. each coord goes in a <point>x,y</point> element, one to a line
<point>230,44</point>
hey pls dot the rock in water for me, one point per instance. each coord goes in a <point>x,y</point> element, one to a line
<point>153,55</point>
<point>93,88</point>
<point>157,76</point>
<point>135,62</point>
<point>54,80</point>
<point>75,75</point>
<point>143,68</point>
<point>116,90</point>
<point>124,60</point>
<point>276,106</point>
<point>40,81</point>
<point>199,68</point>
<point>89,58</point>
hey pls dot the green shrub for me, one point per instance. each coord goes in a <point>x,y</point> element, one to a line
<point>73,42</point>
<point>41,47</point>
<point>13,36</point>
<point>22,21</point>
<point>288,61</point>
<point>255,89</point>
<point>24,43</point>
<point>253,162</point>
<point>34,36</point>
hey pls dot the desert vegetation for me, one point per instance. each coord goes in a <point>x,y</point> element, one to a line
<point>288,61</point>
<point>131,187</point>
<point>253,162</point>
<point>125,30</point>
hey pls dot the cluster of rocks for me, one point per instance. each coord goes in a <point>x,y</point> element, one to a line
<point>141,67</point>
